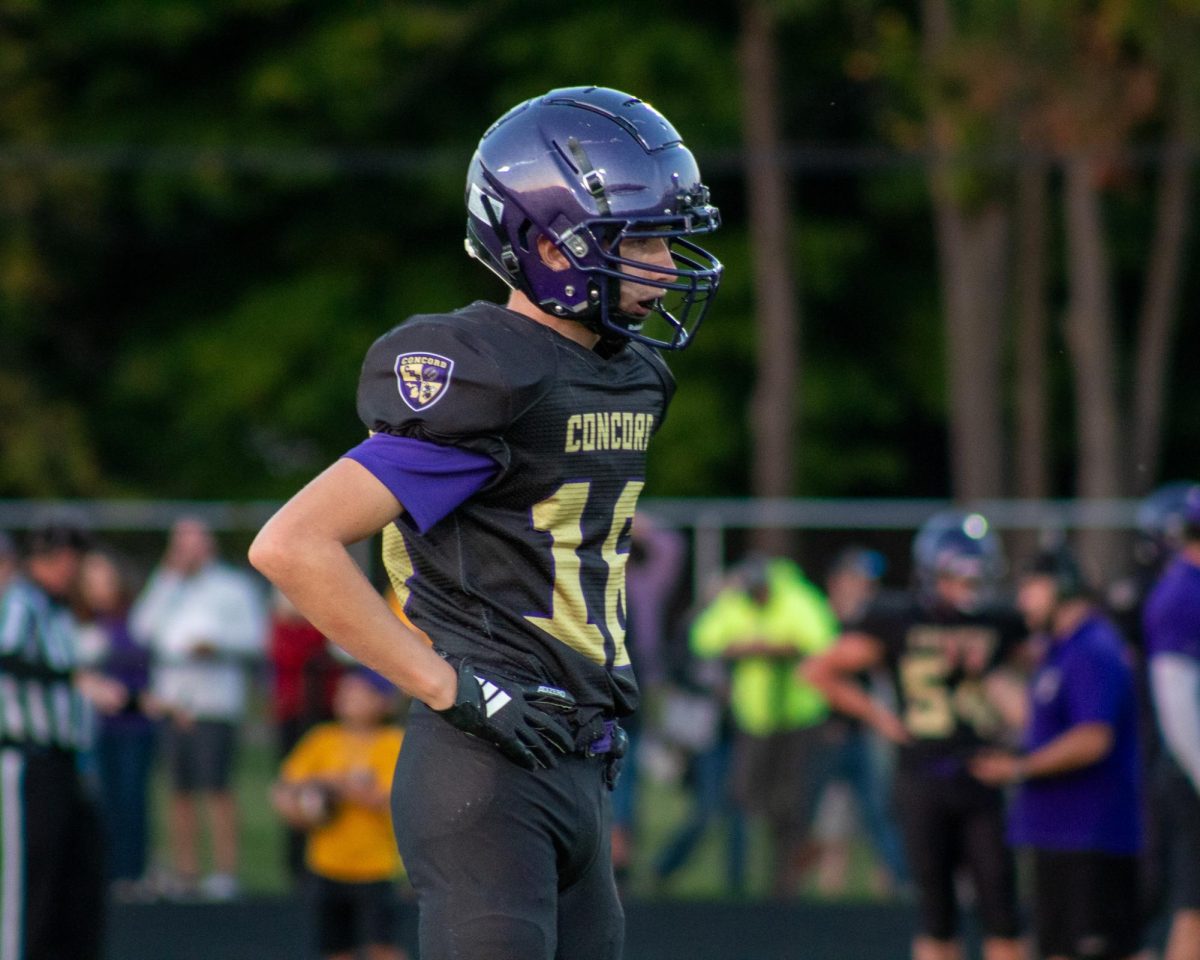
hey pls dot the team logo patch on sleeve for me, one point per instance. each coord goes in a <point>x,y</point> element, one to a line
<point>423,378</point>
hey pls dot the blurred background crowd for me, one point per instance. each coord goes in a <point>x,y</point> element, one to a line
<point>741,780</point>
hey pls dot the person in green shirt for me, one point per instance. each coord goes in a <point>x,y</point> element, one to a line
<point>766,620</point>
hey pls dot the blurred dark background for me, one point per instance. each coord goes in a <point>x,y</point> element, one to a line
<point>956,233</point>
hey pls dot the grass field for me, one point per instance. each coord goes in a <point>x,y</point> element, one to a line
<point>661,807</point>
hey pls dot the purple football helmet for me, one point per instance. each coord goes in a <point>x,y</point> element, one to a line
<point>590,168</point>
<point>956,544</point>
<point>1162,520</point>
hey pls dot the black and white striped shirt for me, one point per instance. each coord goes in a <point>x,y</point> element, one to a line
<point>39,705</point>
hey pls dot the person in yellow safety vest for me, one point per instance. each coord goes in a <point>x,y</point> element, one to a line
<point>768,618</point>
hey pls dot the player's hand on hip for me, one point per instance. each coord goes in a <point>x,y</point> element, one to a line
<point>515,717</point>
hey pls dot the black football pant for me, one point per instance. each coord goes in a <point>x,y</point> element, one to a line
<point>51,864</point>
<point>952,823</point>
<point>508,864</point>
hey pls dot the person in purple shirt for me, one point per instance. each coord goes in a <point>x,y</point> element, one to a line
<point>1171,623</point>
<point>125,743</point>
<point>1078,806</point>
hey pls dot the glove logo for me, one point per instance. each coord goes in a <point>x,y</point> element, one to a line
<point>493,696</point>
<point>422,378</point>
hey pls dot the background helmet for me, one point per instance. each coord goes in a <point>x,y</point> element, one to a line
<point>589,167</point>
<point>957,544</point>
<point>1163,519</point>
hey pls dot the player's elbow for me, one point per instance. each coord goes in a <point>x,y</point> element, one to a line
<point>270,553</point>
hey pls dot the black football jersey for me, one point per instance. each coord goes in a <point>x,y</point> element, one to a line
<point>527,576</point>
<point>938,659</point>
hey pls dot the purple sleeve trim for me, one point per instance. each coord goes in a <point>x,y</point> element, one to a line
<point>429,480</point>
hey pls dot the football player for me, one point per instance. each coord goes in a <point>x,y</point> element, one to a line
<point>944,645</point>
<point>506,454</point>
<point>1172,630</point>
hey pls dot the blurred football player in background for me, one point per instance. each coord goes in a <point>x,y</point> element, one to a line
<point>945,649</point>
<point>1172,635</point>
<point>506,455</point>
<point>335,785</point>
<point>1079,804</point>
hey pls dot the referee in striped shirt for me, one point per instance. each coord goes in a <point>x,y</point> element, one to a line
<point>51,867</point>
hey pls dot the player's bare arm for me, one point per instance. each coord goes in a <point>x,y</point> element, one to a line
<point>1079,747</point>
<point>302,549</point>
<point>833,673</point>
<point>1004,689</point>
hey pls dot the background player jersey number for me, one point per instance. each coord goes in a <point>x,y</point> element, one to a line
<point>933,709</point>
<point>570,619</point>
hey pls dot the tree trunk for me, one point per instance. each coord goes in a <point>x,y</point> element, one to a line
<point>773,410</point>
<point>972,253</point>
<point>1091,339</point>
<point>1160,308</point>
<point>1032,421</point>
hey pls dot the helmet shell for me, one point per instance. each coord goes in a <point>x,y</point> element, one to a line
<point>1162,519</point>
<point>586,167</point>
<point>960,544</point>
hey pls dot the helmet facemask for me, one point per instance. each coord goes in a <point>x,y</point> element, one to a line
<point>684,289</point>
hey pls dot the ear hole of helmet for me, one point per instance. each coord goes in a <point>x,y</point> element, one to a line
<point>523,235</point>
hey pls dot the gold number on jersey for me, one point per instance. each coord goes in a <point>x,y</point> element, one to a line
<point>932,709</point>
<point>561,516</point>
<point>928,710</point>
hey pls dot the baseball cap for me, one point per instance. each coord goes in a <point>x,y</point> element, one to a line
<point>861,560</point>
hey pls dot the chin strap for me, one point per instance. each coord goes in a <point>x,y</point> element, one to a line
<point>593,179</point>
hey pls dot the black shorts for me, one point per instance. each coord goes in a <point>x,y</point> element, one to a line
<point>353,915</point>
<point>1086,904</point>
<point>507,863</point>
<point>200,756</point>
<point>951,823</point>
<point>1181,824</point>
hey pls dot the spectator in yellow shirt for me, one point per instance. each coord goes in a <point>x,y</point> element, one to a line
<point>766,620</point>
<point>336,785</point>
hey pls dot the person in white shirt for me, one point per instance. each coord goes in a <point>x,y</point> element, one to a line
<point>203,622</point>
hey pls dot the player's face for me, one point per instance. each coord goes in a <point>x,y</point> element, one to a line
<point>100,584</point>
<point>357,703</point>
<point>57,571</point>
<point>639,294</point>
<point>191,545</point>
<point>849,592</point>
<point>1036,597</point>
<point>960,593</point>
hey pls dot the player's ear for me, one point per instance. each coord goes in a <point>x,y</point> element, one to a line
<point>551,256</point>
